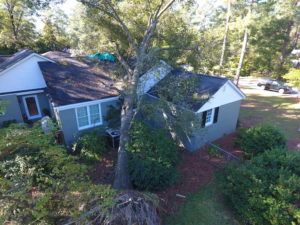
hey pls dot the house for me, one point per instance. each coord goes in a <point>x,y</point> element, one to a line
<point>78,94</point>
<point>206,110</point>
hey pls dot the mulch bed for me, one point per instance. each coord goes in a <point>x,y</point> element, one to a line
<point>196,168</point>
<point>103,172</point>
<point>294,144</point>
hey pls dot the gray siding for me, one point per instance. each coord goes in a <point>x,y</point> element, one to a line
<point>13,111</point>
<point>68,122</point>
<point>193,136</point>
<point>43,103</point>
<point>227,122</point>
<point>15,107</point>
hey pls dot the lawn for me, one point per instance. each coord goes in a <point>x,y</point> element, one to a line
<point>270,107</point>
<point>205,207</point>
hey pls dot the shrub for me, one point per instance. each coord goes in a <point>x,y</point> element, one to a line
<point>40,183</point>
<point>214,152</point>
<point>91,146</point>
<point>266,189</point>
<point>260,138</point>
<point>152,158</point>
<point>7,123</point>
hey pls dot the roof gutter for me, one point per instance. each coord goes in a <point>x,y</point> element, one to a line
<point>81,104</point>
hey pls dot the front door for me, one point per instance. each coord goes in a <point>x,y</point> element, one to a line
<point>32,108</point>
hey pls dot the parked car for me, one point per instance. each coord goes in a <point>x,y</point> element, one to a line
<point>274,85</point>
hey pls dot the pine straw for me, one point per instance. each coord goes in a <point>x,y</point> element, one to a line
<point>131,208</point>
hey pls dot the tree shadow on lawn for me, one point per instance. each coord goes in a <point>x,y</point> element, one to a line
<point>281,112</point>
<point>206,207</point>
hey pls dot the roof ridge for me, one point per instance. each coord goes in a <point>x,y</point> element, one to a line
<point>15,58</point>
<point>201,74</point>
<point>214,76</point>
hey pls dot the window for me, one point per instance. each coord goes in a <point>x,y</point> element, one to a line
<point>32,107</point>
<point>209,117</point>
<point>88,116</point>
<point>82,117</point>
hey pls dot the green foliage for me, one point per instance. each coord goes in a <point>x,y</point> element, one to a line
<point>260,138</point>
<point>113,117</point>
<point>265,190</point>
<point>152,158</point>
<point>293,77</point>
<point>205,207</point>
<point>214,152</point>
<point>40,183</point>
<point>91,146</point>
<point>3,106</point>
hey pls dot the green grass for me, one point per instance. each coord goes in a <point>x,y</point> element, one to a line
<point>204,208</point>
<point>277,110</point>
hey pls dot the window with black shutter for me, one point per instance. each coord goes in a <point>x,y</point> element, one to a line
<point>203,119</point>
<point>216,115</point>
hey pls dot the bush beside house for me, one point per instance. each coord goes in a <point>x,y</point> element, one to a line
<point>90,146</point>
<point>260,138</point>
<point>266,189</point>
<point>153,158</point>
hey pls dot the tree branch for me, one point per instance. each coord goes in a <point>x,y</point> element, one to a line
<point>108,9</point>
<point>122,60</point>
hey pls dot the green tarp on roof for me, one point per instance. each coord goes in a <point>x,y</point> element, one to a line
<point>103,56</point>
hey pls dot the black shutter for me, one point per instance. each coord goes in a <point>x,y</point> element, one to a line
<point>203,119</point>
<point>216,115</point>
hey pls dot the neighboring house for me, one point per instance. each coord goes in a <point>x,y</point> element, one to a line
<point>74,92</point>
<point>78,94</point>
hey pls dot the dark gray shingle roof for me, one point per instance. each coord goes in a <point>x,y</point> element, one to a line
<point>71,81</point>
<point>15,58</point>
<point>187,89</point>
<point>3,58</point>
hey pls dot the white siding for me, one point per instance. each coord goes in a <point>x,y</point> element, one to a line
<point>26,75</point>
<point>152,77</point>
<point>228,93</point>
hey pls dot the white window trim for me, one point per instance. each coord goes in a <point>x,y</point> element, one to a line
<point>89,116</point>
<point>39,115</point>
<point>212,117</point>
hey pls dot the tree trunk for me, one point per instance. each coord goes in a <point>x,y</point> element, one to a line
<point>226,34</point>
<point>285,50</point>
<point>122,178</point>
<point>242,57</point>
<point>12,20</point>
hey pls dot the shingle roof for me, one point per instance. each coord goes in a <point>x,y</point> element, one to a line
<point>14,59</point>
<point>3,58</point>
<point>71,81</point>
<point>187,89</point>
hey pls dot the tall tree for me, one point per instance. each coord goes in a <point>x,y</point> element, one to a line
<point>245,43</point>
<point>140,50</point>
<point>54,34</point>
<point>17,30</point>
<point>290,12</point>
<point>226,33</point>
